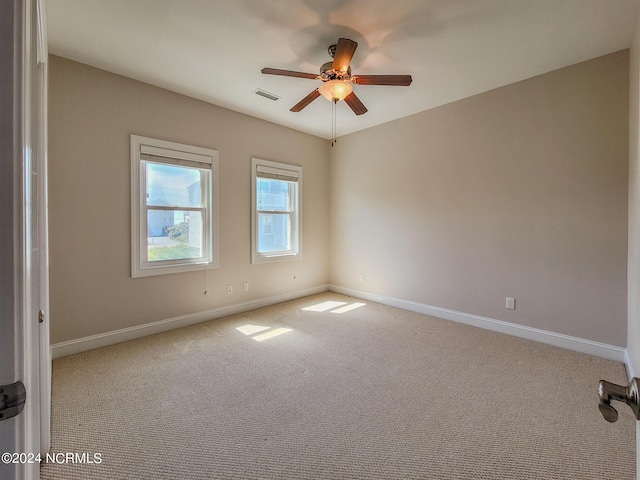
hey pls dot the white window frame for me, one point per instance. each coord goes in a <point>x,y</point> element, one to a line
<point>280,171</point>
<point>173,154</point>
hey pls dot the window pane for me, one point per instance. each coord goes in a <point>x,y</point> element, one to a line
<point>274,232</point>
<point>174,235</point>
<point>273,194</point>
<point>171,185</point>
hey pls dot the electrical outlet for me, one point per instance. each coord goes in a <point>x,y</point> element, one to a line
<point>229,288</point>
<point>245,286</point>
<point>362,277</point>
<point>511,303</point>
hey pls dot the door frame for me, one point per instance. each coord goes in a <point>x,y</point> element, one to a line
<point>41,183</point>
<point>24,345</point>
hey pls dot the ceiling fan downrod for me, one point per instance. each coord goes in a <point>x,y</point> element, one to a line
<point>333,122</point>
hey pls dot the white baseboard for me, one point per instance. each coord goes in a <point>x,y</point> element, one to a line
<point>117,336</point>
<point>582,345</point>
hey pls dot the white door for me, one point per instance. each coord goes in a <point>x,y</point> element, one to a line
<point>23,243</point>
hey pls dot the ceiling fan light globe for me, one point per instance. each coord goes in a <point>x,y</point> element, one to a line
<point>335,90</point>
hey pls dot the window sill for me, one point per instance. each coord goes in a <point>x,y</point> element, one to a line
<point>276,257</point>
<point>169,269</point>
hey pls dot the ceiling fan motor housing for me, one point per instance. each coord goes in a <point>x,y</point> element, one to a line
<point>328,73</point>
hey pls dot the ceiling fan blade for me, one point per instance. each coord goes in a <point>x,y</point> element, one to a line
<point>356,105</point>
<point>305,101</point>
<point>394,80</point>
<point>288,73</point>
<point>345,49</point>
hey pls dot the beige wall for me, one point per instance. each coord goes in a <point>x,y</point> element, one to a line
<point>520,192</point>
<point>91,115</point>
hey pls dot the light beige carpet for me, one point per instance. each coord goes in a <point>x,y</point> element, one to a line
<point>368,393</point>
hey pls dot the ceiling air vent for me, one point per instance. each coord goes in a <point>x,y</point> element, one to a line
<point>268,95</point>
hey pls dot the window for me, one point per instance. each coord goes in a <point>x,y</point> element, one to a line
<point>174,190</point>
<point>276,223</point>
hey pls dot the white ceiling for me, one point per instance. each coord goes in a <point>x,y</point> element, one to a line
<point>214,50</point>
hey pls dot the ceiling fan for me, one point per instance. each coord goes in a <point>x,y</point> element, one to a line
<point>337,81</point>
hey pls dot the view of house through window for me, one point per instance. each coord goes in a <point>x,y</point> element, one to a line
<point>276,215</point>
<point>275,210</point>
<point>174,214</point>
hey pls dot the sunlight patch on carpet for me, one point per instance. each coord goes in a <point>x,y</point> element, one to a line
<point>324,306</point>
<point>251,329</point>
<point>334,307</point>
<point>348,308</point>
<point>271,334</point>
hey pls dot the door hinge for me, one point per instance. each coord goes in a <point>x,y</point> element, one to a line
<point>12,398</point>
<point>40,316</point>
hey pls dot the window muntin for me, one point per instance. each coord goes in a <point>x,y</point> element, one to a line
<point>173,213</point>
<point>276,199</point>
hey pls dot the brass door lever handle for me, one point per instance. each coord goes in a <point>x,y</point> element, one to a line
<point>608,391</point>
